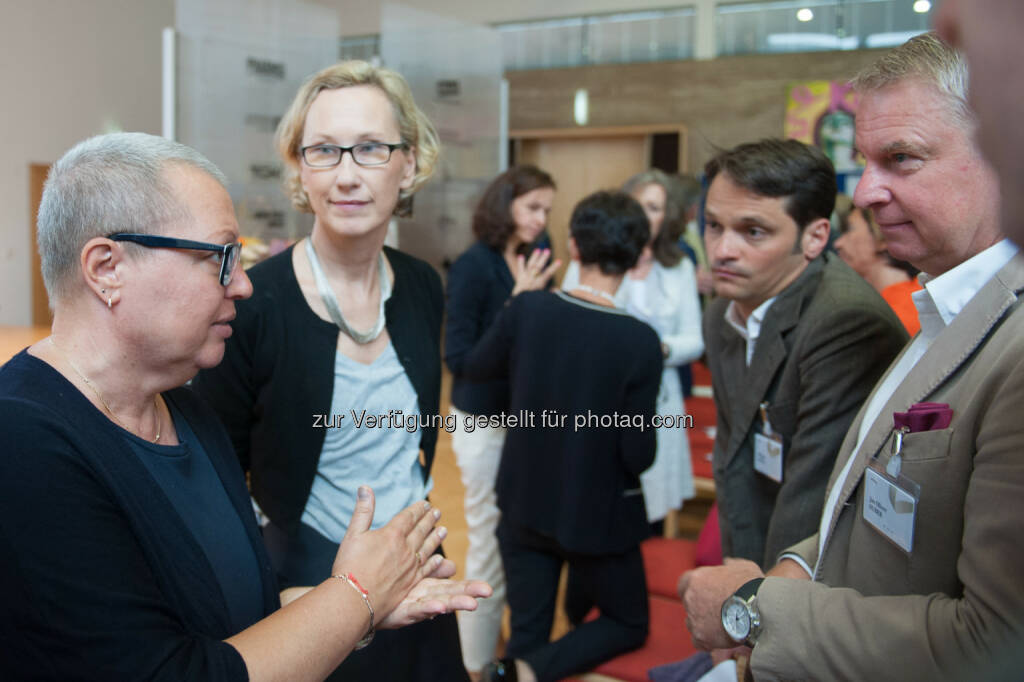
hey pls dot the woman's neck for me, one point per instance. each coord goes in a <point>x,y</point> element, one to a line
<point>884,275</point>
<point>643,266</point>
<point>349,261</point>
<point>107,375</point>
<point>591,277</point>
<point>512,246</point>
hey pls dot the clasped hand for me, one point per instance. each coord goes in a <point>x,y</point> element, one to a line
<point>396,564</point>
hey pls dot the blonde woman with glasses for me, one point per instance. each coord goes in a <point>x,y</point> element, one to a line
<point>332,378</point>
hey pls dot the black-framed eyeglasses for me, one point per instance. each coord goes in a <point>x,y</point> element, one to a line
<point>229,253</point>
<point>364,153</point>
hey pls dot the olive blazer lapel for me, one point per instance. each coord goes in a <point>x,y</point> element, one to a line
<point>748,386</point>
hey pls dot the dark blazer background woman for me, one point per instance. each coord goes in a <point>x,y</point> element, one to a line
<point>508,223</point>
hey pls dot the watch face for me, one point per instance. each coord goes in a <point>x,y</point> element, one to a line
<point>736,619</point>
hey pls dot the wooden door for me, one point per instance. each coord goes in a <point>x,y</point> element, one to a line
<point>40,303</point>
<point>582,161</point>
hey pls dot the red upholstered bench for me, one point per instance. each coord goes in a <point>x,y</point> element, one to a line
<point>701,442</point>
<point>701,374</point>
<point>668,641</point>
<point>665,559</point>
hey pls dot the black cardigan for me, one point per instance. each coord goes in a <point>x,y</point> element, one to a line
<point>580,487</point>
<point>278,371</point>
<point>100,579</point>
<point>479,284</point>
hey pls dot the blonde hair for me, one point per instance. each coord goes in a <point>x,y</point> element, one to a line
<point>929,59</point>
<point>415,128</point>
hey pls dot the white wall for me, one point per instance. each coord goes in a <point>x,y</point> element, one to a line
<point>74,68</point>
<point>69,69</point>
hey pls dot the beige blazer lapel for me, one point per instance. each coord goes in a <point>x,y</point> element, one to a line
<point>953,346</point>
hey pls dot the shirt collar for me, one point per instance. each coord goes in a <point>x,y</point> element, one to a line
<point>943,297</point>
<point>752,328</point>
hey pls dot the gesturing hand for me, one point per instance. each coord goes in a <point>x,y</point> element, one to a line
<point>530,274</point>
<point>391,560</point>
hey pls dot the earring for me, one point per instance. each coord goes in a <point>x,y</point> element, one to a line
<point>110,303</point>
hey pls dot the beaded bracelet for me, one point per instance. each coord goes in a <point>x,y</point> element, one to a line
<point>351,580</point>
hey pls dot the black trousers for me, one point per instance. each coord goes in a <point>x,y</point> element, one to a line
<point>424,652</point>
<point>613,582</point>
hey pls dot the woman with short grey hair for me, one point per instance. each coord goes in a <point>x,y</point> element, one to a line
<point>129,547</point>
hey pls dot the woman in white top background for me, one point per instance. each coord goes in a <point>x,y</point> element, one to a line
<point>661,290</point>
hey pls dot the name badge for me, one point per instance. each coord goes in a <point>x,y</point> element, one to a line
<point>768,456</point>
<point>890,505</point>
<point>768,449</point>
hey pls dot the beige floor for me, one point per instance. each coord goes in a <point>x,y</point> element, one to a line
<point>448,490</point>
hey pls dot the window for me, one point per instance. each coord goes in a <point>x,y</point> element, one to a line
<point>815,25</point>
<point>656,35</point>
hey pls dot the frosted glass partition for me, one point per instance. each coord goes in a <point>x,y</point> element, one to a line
<point>240,63</point>
<point>815,25</point>
<point>621,38</point>
<point>455,73</point>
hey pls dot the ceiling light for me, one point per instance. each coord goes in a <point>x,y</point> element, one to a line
<point>922,6</point>
<point>804,14</point>
<point>581,107</point>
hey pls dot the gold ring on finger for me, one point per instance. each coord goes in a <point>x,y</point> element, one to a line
<point>419,559</point>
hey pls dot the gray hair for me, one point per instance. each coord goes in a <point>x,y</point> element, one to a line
<point>929,59</point>
<point>107,184</point>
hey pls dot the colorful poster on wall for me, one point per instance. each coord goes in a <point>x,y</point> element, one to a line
<point>822,113</point>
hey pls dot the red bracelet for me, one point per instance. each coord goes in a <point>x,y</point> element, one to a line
<point>351,580</point>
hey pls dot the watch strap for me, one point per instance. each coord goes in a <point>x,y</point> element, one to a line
<point>749,589</point>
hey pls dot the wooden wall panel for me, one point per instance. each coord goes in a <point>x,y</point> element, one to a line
<point>41,314</point>
<point>723,101</point>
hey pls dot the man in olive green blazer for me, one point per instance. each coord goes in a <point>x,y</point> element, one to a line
<point>823,338</point>
<point>944,600</point>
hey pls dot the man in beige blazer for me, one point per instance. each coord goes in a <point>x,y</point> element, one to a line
<point>916,570</point>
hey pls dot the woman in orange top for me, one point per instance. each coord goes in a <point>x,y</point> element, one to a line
<point>861,245</point>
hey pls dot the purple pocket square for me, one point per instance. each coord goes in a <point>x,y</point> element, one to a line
<point>924,417</point>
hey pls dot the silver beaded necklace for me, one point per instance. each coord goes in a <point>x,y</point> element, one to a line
<point>331,301</point>
<point>597,292</point>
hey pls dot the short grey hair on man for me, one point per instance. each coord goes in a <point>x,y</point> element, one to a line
<point>926,58</point>
<point>106,184</point>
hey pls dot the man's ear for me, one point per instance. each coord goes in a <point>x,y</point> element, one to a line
<point>100,260</point>
<point>815,238</point>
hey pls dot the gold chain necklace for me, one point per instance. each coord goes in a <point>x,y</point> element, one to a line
<point>92,388</point>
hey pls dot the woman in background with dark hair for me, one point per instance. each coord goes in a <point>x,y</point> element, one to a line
<point>568,485</point>
<point>511,216</point>
<point>661,290</point>
<point>862,246</point>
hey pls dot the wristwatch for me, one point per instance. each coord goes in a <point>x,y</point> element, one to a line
<point>740,616</point>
